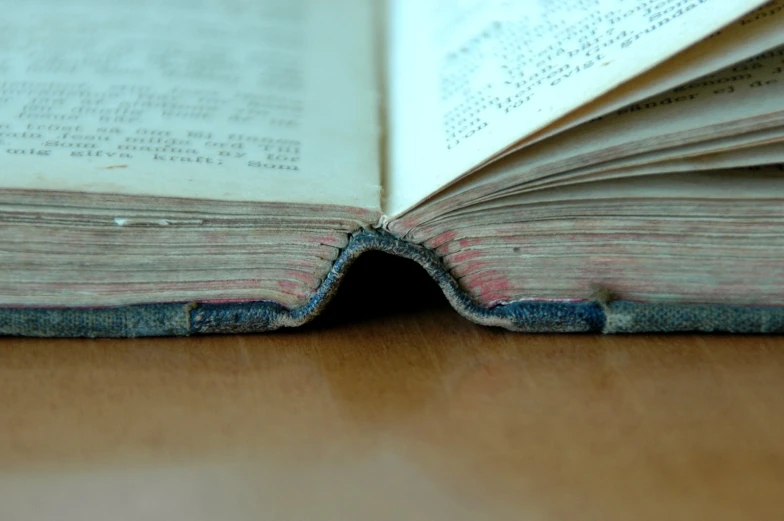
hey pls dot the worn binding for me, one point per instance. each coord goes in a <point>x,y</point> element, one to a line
<point>180,319</point>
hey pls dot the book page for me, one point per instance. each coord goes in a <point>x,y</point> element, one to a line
<point>759,31</point>
<point>468,80</point>
<point>739,104</point>
<point>746,150</point>
<point>743,99</point>
<point>269,101</point>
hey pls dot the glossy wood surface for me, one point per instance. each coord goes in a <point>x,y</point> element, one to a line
<point>390,413</point>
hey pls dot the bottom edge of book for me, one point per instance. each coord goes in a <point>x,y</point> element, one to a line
<point>183,319</point>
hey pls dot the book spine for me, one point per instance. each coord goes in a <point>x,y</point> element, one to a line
<point>179,319</point>
<point>122,322</point>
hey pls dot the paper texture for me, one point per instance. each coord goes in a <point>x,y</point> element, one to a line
<point>246,100</point>
<point>467,81</point>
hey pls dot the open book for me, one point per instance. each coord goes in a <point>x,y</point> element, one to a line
<point>557,165</point>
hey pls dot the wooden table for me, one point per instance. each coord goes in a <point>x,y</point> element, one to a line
<point>393,414</point>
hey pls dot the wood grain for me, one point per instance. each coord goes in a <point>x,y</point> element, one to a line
<point>390,413</point>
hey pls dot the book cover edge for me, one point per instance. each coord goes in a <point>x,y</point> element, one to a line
<point>182,319</point>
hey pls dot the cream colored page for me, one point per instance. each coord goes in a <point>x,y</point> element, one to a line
<point>753,34</point>
<point>743,99</point>
<point>469,79</point>
<point>271,100</point>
